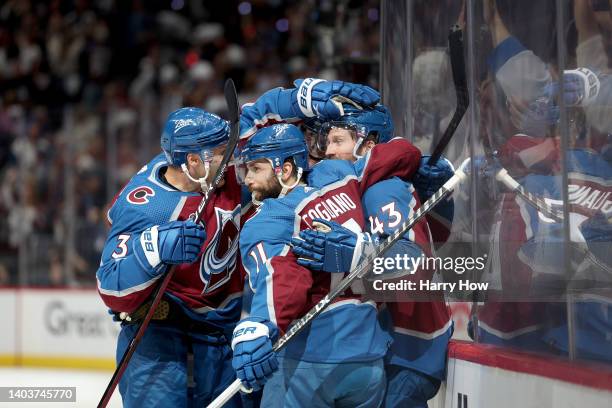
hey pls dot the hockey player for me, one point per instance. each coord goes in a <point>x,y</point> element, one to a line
<point>312,104</point>
<point>529,251</point>
<point>590,209</point>
<point>151,231</point>
<point>420,329</point>
<point>337,361</point>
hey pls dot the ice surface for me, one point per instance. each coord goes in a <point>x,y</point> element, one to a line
<point>89,385</point>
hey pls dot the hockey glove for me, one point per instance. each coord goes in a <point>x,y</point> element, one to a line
<point>323,99</point>
<point>254,360</point>
<point>331,248</point>
<point>429,179</point>
<point>580,87</point>
<point>176,242</point>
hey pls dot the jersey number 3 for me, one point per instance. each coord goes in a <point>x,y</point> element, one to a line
<point>122,248</point>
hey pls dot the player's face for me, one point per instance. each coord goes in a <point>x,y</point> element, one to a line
<point>261,180</point>
<point>314,152</point>
<point>340,144</point>
<point>214,164</point>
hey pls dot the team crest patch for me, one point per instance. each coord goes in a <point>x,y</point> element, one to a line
<point>219,259</point>
<point>140,195</point>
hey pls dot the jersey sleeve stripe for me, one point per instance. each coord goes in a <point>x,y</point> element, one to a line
<point>422,335</point>
<point>127,291</point>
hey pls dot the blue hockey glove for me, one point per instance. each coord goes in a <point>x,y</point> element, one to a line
<point>254,360</point>
<point>323,99</point>
<point>176,242</point>
<point>580,87</point>
<point>331,248</point>
<point>429,179</point>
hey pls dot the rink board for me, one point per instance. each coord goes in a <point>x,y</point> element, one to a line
<point>57,328</point>
<point>8,339</point>
<point>71,328</point>
<point>482,376</point>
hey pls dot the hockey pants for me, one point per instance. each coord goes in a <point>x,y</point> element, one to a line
<point>319,385</point>
<point>157,374</point>
<point>407,388</point>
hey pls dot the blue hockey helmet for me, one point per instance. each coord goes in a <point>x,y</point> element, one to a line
<point>192,130</point>
<point>275,143</point>
<point>375,123</point>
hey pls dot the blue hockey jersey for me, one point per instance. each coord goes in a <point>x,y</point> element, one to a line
<point>208,290</point>
<point>533,250</point>
<point>283,290</point>
<point>421,327</point>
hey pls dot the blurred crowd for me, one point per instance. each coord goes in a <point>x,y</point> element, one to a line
<point>85,86</point>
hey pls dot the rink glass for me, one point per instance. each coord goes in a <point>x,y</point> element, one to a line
<point>540,274</point>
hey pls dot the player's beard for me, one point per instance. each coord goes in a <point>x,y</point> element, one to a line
<point>271,189</point>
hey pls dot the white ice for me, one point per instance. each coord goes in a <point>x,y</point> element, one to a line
<point>89,385</point>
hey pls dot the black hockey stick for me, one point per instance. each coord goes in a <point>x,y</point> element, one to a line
<point>455,47</point>
<point>234,115</point>
<point>459,78</point>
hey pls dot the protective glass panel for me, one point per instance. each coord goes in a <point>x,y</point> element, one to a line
<point>585,92</point>
<point>518,142</point>
<point>535,208</point>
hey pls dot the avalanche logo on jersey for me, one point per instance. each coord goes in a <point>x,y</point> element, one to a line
<point>140,195</point>
<point>219,260</point>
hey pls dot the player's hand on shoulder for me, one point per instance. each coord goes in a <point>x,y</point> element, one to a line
<point>331,247</point>
<point>324,99</point>
<point>254,360</point>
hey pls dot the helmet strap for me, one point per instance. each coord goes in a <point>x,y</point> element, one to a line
<point>286,188</point>
<point>357,146</point>
<point>202,180</point>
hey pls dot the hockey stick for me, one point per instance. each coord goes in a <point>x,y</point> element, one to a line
<point>542,206</point>
<point>455,47</point>
<point>234,115</point>
<point>537,202</point>
<point>357,273</point>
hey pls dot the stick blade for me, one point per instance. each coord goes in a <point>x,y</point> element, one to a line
<point>455,44</point>
<point>231,98</point>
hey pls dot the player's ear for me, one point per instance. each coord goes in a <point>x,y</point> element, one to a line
<point>287,170</point>
<point>192,159</point>
<point>366,147</point>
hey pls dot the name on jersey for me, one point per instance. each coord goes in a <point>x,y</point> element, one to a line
<point>588,196</point>
<point>330,208</point>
